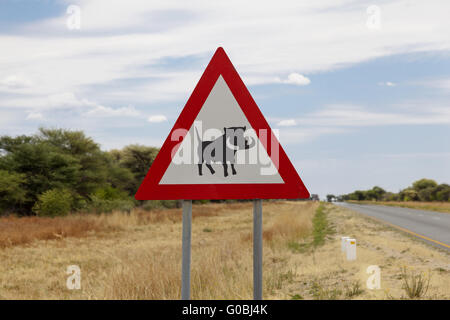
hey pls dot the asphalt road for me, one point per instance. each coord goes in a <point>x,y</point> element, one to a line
<point>431,226</point>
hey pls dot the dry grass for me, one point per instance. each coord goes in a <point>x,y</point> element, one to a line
<point>141,258</point>
<point>433,206</point>
<point>138,256</point>
<point>24,230</point>
<point>222,265</point>
<point>18,231</point>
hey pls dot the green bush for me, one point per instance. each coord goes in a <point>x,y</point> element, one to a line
<point>54,202</point>
<point>110,193</point>
<point>108,199</point>
<point>443,192</point>
<point>159,204</point>
<point>427,194</point>
<point>409,194</point>
<point>99,205</point>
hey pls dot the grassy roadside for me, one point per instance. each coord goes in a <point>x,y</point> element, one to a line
<point>409,268</point>
<point>321,227</point>
<point>320,230</point>
<point>432,206</point>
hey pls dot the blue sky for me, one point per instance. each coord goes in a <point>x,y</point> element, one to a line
<point>360,94</point>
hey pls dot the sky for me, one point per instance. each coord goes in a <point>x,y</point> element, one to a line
<point>359,90</point>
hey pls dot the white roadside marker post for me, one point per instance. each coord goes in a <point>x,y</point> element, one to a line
<point>351,249</point>
<point>344,243</point>
<point>186,250</point>
<point>257,249</point>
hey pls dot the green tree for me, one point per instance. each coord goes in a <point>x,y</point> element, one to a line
<point>442,192</point>
<point>54,159</point>
<point>12,193</point>
<point>43,167</point>
<point>137,159</point>
<point>427,194</point>
<point>423,184</point>
<point>358,195</point>
<point>93,162</point>
<point>390,196</point>
<point>378,192</point>
<point>409,194</point>
<point>123,179</point>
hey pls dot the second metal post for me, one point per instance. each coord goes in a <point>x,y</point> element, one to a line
<point>257,249</point>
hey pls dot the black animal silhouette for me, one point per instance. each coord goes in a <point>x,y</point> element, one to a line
<point>223,149</point>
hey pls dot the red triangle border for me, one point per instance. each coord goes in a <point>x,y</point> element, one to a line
<point>150,189</point>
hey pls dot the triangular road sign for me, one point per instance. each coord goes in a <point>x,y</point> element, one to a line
<point>221,147</point>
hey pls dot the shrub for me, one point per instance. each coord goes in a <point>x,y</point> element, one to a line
<point>159,204</point>
<point>443,192</point>
<point>110,193</point>
<point>415,284</point>
<point>54,202</point>
<point>409,194</point>
<point>426,194</point>
<point>108,199</point>
<point>353,290</point>
<point>99,205</point>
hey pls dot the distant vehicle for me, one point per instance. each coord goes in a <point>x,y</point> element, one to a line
<point>314,197</point>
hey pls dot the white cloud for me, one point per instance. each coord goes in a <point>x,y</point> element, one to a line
<point>53,68</point>
<point>295,78</point>
<point>102,111</point>
<point>15,82</point>
<point>442,83</point>
<point>287,123</point>
<point>35,116</point>
<point>356,116</point>
<point>307,134</point>
<point>339,119</point>
<point>128,39</point>
<point>387,83</point>
<point>416,155</point>
<point>157,118</point>
<point>62,100</point>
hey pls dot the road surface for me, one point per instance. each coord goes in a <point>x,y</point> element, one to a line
<point>431,226</point>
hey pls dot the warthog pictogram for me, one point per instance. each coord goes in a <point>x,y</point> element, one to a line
<point>223,149</point>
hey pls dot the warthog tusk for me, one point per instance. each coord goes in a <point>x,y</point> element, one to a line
<point>252,144</point>
<point>231,146</point>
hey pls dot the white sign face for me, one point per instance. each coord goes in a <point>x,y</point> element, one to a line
<point>221,147</point>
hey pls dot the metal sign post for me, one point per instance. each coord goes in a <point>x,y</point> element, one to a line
<point>257,249</point>
<point>186,251</point>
